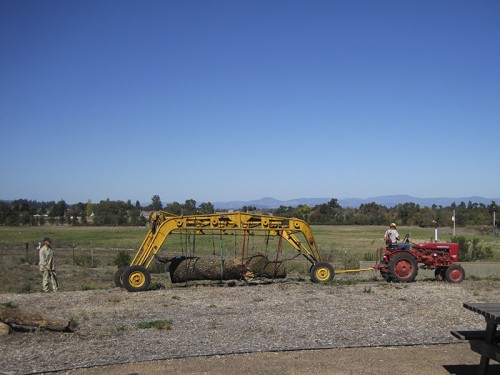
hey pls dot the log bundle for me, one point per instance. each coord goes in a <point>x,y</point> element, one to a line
<point>184,269</point>
<point>261,266</point>
<point>195,268</point>
<point>14,316</point>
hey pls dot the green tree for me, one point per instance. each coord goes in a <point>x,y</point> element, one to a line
<point>58,212</point>
<point>405,213</point>
<point>328,213</point>
<point>304,212</point>
<point>372,214</point>
<point>207,208</point>
<point>189,207</point>
<point>156,204</point>
<point>111,213</point>
<point>174,208</point>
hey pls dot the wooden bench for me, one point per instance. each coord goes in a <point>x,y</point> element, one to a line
<point>479,345</point>
<point>484,342</point>
<point>473,335</point>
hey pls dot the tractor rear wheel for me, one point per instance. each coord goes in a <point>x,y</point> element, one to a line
<point>136,278</point>
<point>455,274</point>
<point>322,272</point>
<point>403,268</point>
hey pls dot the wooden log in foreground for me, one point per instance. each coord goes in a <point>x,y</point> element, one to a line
<point>23,318</point>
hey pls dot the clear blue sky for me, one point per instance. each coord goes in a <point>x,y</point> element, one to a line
<point>239,100</point>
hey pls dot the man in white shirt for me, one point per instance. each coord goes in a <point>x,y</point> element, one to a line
<point>391,238</point>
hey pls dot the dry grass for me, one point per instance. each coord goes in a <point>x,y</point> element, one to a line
<point>344,246</point>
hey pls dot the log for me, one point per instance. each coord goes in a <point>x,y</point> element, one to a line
<point>184,269</point>
<point>22,318</point>
<point>261,266</point>
<point>195,268</point>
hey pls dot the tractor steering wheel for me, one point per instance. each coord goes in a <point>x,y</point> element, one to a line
<point>406,239</point>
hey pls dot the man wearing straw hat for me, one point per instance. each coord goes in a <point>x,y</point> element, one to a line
<point>47,266</point>
<point>391,238</point>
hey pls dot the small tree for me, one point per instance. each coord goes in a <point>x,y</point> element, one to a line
<point>122,259</point>
<point>471,250</point>
<point>156,204</point>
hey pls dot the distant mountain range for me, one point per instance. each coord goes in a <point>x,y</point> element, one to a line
<point>386,200</point>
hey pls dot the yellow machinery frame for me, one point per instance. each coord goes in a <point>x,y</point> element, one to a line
<point>162,224</point>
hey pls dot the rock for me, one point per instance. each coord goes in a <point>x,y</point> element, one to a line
<point>5,329</point>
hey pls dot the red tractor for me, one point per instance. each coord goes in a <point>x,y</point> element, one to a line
<point>402,265</point>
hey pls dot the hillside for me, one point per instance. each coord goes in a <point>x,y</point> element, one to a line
<point>385,200</point>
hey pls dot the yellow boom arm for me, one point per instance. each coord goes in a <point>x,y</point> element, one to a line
<point>164,223</point>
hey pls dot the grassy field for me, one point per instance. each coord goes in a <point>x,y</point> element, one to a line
<point>85,255</point>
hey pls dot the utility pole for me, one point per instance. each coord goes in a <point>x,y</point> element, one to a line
<point>453,219</point>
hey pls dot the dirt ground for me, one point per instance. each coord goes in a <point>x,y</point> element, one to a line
<point>288,327</point>
<point>417,360</point>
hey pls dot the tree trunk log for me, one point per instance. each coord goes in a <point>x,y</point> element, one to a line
<point>187,269</point>
<point>22,318</point>
<point>260,266</point>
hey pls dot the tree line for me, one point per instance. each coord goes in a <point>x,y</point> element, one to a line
<point>107,212</point>
<point>331,213</point>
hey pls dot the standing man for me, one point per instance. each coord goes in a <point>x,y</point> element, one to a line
<point>47,266</point>
<point>391,238</point>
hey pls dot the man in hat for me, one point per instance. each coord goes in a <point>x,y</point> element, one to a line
<point>391,238</point>
<point>47,266</point>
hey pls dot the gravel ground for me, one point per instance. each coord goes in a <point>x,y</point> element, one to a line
<point>287,316</point>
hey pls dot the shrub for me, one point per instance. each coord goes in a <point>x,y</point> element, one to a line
<point>158,324</point>
<point>9,305</point>
<point>73,324</point>
<point>122,259</point>
<point>86,260</point>
<point>370,256</point>
<point>25,288</point>
<point>156,286</point>
<point>471,250</point>
<point>157,267</point>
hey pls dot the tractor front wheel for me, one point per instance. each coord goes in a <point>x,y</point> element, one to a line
<point>118,278</point>
<point>455,274</point>
<point>136,279</point>
<point>322,272</point>
<point>403,268</point>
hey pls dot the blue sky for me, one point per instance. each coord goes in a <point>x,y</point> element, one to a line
<point>239,100</point>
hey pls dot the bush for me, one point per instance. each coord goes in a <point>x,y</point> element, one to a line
<point>26,287</point>
<point>86,260</point>
<point>471,250</point>
<point>122,259</point>
<point>158,324</point>
<point>156,286</point>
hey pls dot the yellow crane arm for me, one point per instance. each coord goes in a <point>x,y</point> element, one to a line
<point>163,224</point>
